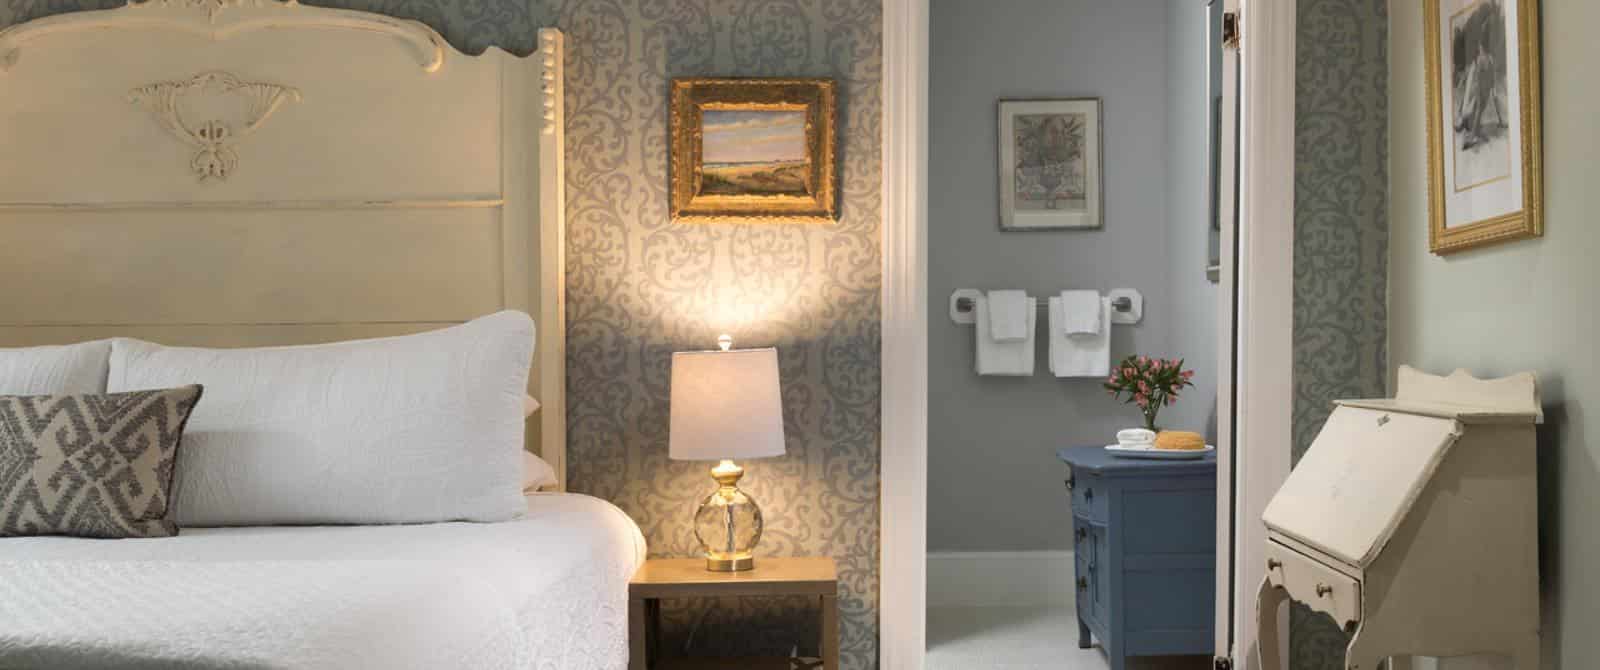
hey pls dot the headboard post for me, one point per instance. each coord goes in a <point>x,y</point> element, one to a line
<point>551,278</point>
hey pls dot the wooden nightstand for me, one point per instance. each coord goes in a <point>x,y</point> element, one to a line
<point>666,578</point>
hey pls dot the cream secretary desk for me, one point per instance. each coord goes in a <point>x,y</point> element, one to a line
<point>1413,523</point>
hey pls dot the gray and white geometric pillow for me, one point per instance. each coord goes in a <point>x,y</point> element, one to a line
<point>91,465</point>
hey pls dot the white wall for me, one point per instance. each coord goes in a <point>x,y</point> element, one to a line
<point>1520,306</point>
<point>994,481</point>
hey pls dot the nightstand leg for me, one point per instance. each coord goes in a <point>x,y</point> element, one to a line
<point>1084,641</point>
<point>637,633</point>
<point>830,632</point>
<point>652,617</point>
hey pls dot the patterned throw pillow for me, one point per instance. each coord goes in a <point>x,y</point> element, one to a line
<point>91,465</point>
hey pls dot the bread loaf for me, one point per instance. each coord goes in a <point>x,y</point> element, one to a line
<point>1180,440</point>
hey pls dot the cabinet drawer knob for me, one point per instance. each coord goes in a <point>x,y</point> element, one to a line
<point>1082,533</point>
<point>1273,564</point>
<point>1083,583</point>
<point>1323,590</point>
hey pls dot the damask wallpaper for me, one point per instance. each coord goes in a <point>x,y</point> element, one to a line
<point>640,288</point>
<point>1341,238</point>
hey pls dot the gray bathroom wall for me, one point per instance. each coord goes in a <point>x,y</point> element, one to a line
<point>1193,297</point>
<point>994,481</point>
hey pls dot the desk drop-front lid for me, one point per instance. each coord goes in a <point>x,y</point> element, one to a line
<point>1354,485</point>
<point>1373,459</point>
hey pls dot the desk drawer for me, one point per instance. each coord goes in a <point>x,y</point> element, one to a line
<point>1319,586</point>
<point>1090,497</point>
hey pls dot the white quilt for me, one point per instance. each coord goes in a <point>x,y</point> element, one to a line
<point>548,591</point>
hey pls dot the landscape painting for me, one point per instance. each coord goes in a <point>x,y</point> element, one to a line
<point>752,150</point>
<point>1479,79</point>
<point>1050,164</point>
<point>1050,169</point>
<point>753,153</point>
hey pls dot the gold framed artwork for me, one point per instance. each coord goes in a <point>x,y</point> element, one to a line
<point>1485,149</point>
<point>752,150</point>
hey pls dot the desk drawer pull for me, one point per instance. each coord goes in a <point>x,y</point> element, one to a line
<point>1083,584</point>
<point>1273,564</point>
<point>1323,590</point>
<point>1082,533</point>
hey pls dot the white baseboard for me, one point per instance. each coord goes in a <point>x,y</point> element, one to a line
<point>1000,578</point>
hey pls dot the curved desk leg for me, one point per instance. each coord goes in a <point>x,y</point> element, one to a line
<point>1268,598</point>
<point>1083,636</point>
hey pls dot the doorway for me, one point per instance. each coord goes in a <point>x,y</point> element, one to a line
<point>1257,392</point>
<point>1003,587</point>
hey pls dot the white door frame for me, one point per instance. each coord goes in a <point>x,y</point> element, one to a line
<point>902,592</point>
<point>1265,378</point>
<point>1266,296</point>
<point>1227,337</point>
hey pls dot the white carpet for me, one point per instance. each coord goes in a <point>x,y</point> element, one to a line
<point>1024,638</point>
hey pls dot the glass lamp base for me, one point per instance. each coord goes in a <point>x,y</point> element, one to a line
<point>728,523</point>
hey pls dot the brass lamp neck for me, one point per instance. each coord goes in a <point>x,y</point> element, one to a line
<point>727,474</point>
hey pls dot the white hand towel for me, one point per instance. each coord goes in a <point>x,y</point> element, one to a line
<point>1082,312</point>
<point>1008,322</point>
<point>1079,355</point>
<point>1012,359</point>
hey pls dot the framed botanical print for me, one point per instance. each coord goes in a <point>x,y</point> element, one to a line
<point>1050,165</point>
<point>752,150</point>
<point>1484,143</point>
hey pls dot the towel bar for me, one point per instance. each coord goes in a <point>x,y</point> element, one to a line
<point>1121,304</point>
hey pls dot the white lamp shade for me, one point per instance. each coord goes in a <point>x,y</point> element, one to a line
<point>726,405</point>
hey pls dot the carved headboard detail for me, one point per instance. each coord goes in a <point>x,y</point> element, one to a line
<point>261,172</point>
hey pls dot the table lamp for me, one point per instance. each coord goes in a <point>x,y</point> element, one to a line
<point>725,405</point>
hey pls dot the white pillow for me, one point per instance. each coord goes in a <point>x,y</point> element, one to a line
<point>55,370</point>
<point>411,429</point>
<point>536,473</point>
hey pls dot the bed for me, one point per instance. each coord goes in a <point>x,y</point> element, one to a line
<point>256,173</point>
<point>513,595</point>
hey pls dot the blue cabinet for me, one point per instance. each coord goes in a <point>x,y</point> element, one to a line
<point>1144,550</point>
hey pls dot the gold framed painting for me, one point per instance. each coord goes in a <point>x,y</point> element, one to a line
<point>752,150</point>
<point>1485,149</point>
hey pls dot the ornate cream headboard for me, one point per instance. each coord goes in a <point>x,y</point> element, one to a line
<point>257,172</point>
